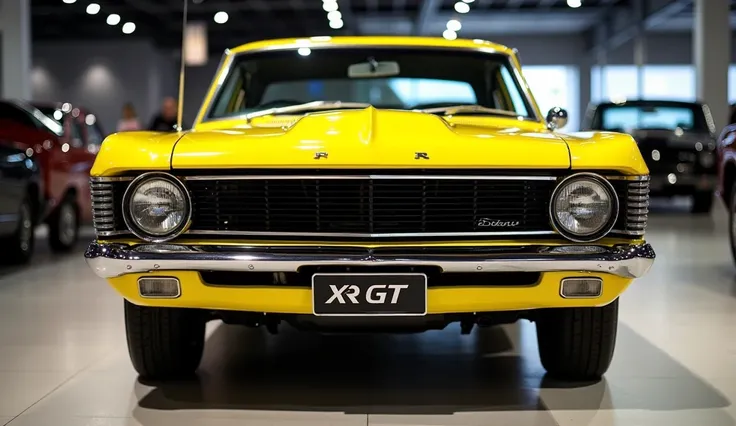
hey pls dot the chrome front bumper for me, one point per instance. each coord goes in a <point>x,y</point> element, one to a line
<point>114,260</point>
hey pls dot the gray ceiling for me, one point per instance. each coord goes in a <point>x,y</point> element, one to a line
<point>258,19</point>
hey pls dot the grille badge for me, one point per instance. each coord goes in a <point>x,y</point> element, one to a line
<point>485,222</point>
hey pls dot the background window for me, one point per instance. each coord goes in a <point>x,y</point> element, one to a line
<point>556,86</point>
<point>620,82</point>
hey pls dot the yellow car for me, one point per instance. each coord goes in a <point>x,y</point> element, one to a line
<point>352,184</point>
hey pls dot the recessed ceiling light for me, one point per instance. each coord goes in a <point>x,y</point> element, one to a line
<point>93,8</point>
<point>461,7</point>
<point>69,1</point>
<point>113,19</point>
<point>336,24</point>
<point>574,3</point>
<point>221,17</point>
<point>128,28</point>
<point>449,35</point>
<point>304,51</point>
<point>330,6</point>
<point>454,25</point>
<point>334,15</point>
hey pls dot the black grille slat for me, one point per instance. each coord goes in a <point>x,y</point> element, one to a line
<point>369,206</point>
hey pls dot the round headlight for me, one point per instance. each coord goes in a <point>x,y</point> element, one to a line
<point>156,207</point>
<point>584,207</point>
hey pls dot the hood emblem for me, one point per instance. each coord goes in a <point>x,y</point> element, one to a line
<point>421,156</point>
<point>485,222</point>
<point>318,155</point>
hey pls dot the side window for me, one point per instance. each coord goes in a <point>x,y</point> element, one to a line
<point>77,133</point>
<point>94,135</point>
<point>511,95</point>
<point>16,115</point>
<point>224,105</point>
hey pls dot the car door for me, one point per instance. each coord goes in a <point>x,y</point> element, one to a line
<point>17,136</point>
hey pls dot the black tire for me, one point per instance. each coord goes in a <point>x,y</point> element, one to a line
<point>577,343</point>
<point>702,202</point>
<point>64,226</point>
<point>18,248</point>
<point>164,343</point>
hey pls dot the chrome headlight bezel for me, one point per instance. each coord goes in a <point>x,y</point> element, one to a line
<point>606,229</point>
<point>143,234</point>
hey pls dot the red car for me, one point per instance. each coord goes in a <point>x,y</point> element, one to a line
<point>64,140</point>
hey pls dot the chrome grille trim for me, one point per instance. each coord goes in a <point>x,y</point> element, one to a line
<point>365,177</point>
<point>102,206</point>
<point>637,208</point>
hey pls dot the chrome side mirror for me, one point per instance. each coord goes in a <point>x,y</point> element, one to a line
<point>556,118</point>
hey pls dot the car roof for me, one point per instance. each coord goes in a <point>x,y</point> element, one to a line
<point>361,41</point>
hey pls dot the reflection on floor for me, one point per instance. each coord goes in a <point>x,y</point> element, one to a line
<point>63,359</point>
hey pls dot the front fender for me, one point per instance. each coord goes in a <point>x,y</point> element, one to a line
<point>605,151</point>
<point>131,151</point>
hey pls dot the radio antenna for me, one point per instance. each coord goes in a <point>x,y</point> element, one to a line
<point>180,113</point>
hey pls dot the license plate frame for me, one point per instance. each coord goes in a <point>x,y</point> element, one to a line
<point>322,282</point>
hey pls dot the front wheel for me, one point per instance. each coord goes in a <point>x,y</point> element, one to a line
<point>18,248</point>
<point>64,226</point>
<point>702,202</point>
<point>577,343</point>
<point>164,343</point>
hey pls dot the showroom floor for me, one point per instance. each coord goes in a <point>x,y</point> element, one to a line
<point>64,362</point>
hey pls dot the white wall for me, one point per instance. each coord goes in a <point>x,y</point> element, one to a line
<point>103,76</point>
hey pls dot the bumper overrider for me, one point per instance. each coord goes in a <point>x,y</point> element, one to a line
<point>125,265</point>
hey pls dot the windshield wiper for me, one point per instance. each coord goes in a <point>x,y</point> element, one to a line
<point>468,109</point>
<point>309,106</point>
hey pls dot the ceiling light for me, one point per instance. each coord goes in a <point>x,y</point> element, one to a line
<point>449,34</point>
<point>330,6</point>
<point>334,15</point>
<point>461,7</point>
<point>113,19</point>
<point>304,51</point>
<point>221,17</point>
<point>93,8</point>
<point>69,1</point>
<point>574,3</point>
<point>454,25</point>
<point>336,24</point>
<point>128,28</point>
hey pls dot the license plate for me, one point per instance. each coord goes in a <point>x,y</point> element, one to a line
<point>346,294</point>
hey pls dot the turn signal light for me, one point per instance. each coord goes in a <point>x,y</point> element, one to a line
<point>159,287</point>
<point>581,287</point>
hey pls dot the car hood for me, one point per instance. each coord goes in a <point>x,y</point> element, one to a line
<point>373,138</point>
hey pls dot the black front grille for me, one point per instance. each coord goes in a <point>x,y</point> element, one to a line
<point>371,206</point>
<point>667,157</point>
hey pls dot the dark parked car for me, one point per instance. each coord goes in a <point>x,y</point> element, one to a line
<point>676,139</point>
<point>20,202</point>
<point>62,142</point>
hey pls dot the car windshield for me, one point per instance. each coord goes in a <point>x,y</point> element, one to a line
<point>395,78</point>
<point>627,118</point>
